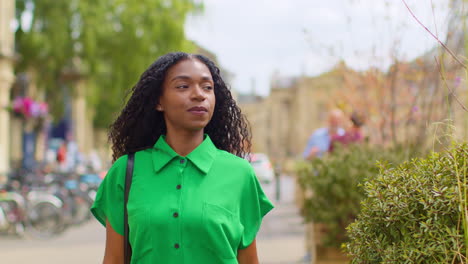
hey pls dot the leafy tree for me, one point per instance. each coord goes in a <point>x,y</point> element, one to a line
<point>109,42</point>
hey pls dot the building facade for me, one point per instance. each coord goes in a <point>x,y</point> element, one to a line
<point>7,12</point>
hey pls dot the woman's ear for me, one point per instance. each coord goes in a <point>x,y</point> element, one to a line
<point>159,108</point>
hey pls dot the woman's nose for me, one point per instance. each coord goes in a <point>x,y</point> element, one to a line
<point>198,93</point>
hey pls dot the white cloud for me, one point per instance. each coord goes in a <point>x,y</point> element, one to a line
<point>253,38</point>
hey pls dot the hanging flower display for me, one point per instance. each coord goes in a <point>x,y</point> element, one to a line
<point>28,108</point>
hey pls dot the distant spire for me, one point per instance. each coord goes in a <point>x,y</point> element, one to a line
<point>275,78</point>
<point>253,88</point>
<point>303,68</point>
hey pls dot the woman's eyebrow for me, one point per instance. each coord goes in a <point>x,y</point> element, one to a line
<point>181,77</point>
<point>207,78</point>
<point>185,77</point>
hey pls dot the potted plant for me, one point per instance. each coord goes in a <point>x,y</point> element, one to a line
<point>415,213</point>
<point>334,185</point>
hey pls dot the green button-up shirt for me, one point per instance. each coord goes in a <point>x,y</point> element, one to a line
<point>201,208</point>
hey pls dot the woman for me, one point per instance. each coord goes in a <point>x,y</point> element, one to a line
<point>193,199</point>
<point>353,133</point>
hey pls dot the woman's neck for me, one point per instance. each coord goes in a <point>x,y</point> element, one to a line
<point>184,142</point>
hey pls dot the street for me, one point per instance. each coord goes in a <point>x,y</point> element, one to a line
<point>280,240</point>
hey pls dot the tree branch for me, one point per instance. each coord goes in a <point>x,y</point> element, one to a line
<point>452,92</point>
<point>434,36</point>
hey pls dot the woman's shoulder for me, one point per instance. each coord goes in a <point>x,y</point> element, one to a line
<point>229,160</point>
<point>121,162</point>
<point>144,153</point>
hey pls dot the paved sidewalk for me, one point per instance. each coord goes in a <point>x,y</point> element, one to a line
<point>281,238</point>
<point>80,245</point>
<point>285,250</point>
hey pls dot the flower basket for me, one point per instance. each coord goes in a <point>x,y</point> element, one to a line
<point>33,113</point>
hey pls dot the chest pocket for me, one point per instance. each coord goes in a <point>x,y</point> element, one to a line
<point>222,231</point>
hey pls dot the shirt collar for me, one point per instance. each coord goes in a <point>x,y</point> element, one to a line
<point>202,156</point>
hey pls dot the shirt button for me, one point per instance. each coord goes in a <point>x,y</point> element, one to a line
<point>176,245</point>
<point>178,187</point>
<point>176,214</point>
<point>182,161</point>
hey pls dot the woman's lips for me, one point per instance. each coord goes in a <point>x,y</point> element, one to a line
<point>198,110</point>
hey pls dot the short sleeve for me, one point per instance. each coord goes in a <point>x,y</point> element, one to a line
<point>254,206</point>
<point>316,140</point>
<point>310,144</point>
<point>109,198</point>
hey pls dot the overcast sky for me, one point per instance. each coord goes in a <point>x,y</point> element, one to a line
<point>256,38</point>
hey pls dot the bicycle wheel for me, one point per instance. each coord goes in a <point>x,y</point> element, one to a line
<point>43,220</point>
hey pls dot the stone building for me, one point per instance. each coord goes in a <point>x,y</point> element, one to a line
<point>7,12</point>
<point>282,122</point>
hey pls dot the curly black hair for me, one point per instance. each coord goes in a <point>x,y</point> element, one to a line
<point>139,124</point>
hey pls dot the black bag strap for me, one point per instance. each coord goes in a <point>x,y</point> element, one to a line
<point>128,183</point>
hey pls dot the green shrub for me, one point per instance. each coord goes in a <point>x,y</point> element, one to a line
<point>334,184</point>
<point>414,213</point>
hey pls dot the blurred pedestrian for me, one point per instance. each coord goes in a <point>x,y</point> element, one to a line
<point>353,133</point>
<point>317,146</point>
<point>319,142</point>
<point>62,156</point>
<point>193,199</point>
<point>74,155</point>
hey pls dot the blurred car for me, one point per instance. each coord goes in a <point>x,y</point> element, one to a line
<point>262,167</point>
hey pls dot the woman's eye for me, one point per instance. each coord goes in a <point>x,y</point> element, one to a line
<point>208,88</point>
<point>184,86</point>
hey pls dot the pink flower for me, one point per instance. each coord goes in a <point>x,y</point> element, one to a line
<point>18,105</point>
<point>30,108</point>
<point>43,109</point>
<point>27,106</point>
<point>35,110</point>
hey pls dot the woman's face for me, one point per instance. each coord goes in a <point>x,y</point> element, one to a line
<point>188,98</point>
